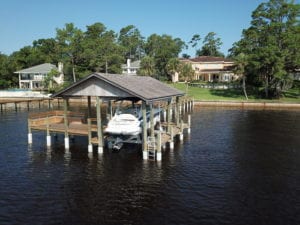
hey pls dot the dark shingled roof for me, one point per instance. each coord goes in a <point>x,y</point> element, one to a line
<point>142,87</point>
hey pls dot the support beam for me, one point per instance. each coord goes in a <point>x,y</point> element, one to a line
<point>158,152</point>
<point>164,115</point>
<point>145,153</point>
<point>99,125</point>
<point>171,143</point>
<point>177,114</point>
<point>90,146</point>
<point>181,131</point>
<point>48,133</point>
<point>110,109</point>
<point>89,107</point>
<point>169,116</point>
<point>151,120</point>
<point>67,143</point>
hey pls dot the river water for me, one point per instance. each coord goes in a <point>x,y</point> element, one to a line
<point>238,166</point>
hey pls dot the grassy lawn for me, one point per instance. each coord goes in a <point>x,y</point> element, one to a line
<point>206,94</point>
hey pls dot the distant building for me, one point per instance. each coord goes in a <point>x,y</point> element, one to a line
<point>33,78</point>
<point>211,69</point>
<point>131,68</point>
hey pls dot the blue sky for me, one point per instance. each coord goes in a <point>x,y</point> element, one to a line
<point>22,22</point>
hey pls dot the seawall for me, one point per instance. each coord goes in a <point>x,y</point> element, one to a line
<point>247,104</point>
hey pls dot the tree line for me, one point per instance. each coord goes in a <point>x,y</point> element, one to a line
<point>97,49</point>
<point>268,52</point>
<point>265,56</point>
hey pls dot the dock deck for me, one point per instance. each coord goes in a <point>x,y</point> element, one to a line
<point>75,123</point>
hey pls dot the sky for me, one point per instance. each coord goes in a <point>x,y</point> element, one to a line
<point>22,22</point>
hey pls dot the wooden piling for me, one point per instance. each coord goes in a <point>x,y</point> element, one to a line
<point>145,153</point>
<point>171,141</point>
<point>158,148</point>
<point>90,146</point>
<point>110,111</point>
<point>169,116</point>
<point>181,131</point>
<point>177,115</point>
<point>99,125</point>
<point>48,137</point>
<point>67,143</point>
<point>89,107</point>
<point>151,121</point>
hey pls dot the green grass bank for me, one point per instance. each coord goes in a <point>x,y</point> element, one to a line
<point>206,94</point>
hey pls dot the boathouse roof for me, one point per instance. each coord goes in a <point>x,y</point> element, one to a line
<point>117,86</point>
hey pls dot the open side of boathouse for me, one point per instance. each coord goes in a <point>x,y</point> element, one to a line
<point>106,88</point>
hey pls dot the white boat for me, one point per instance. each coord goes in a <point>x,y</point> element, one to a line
<point>129,122</point>
<point>124,124</point>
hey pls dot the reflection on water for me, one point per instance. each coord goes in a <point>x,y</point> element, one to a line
<point>238,166</point>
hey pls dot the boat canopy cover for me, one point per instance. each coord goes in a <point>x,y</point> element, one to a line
<point>117,86</point>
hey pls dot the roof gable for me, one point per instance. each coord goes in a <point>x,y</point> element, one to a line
<point>42,68</point>
<point>120,86</point>
<point>96,87</point>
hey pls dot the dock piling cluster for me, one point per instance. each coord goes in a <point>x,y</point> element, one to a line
<point>153,141</point>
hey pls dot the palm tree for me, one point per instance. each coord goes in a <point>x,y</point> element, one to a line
<point>147,66</point>
<point>186,73</point>
<point>241,61</point>
<point>172,67</point>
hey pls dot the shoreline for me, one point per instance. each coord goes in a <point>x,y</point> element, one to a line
<point>216,103</point>
<point>246,104</point>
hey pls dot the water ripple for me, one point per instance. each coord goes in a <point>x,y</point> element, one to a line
<point>232,169</point>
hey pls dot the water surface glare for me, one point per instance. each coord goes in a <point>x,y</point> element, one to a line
<point>238,166</point>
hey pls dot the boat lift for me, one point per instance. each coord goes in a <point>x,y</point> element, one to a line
<point>116,140</point>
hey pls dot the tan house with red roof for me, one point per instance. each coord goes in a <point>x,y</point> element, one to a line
<point>210,69</point>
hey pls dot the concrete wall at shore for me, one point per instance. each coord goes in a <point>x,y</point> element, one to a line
<point>248,104</point>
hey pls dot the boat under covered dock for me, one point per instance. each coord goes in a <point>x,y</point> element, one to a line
<point>103,90</point>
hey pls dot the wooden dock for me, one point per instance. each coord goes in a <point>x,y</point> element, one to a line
<point>104,89</point>
<point>77,124</point>
<point>27,103</point>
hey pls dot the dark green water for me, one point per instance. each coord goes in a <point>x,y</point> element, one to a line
<point>238,166</point>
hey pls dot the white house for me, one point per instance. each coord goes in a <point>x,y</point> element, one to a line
<point>131,68</point>
<point>33,77</point>
<point>209,68</point>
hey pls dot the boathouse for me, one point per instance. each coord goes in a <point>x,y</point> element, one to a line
<point>104,89</point>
